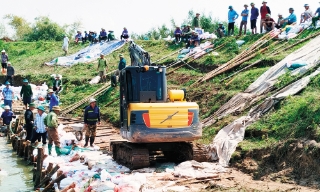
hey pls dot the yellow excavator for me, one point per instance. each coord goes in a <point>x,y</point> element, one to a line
<point>156,123</point>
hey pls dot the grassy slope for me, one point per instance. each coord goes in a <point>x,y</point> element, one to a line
<point>28,58</point>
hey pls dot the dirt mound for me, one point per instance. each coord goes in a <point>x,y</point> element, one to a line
<point>293,161</point>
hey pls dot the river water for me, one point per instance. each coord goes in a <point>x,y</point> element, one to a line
<point>19,175</point>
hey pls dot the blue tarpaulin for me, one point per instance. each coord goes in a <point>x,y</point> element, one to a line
<point>88,54</point>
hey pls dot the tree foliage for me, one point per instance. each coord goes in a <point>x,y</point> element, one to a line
<point>19,24</point>
<point>45,29</point>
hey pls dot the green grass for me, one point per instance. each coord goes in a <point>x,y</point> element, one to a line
<point>289,120</point>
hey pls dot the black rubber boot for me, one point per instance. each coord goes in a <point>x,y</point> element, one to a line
<point>86,139</point>
<point>91,141</point>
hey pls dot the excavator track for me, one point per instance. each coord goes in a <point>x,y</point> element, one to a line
<point>133,156</point>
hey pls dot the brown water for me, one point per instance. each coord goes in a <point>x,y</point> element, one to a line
<point>19,176</point>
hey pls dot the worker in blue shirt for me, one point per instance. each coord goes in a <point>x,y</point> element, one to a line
<point>103,35</point>
<point>8,95</point>
<point>54,101</point>
<point>292,18</point>
<point>7,115</point>
<point>232,16</point>
<point>244,21</point>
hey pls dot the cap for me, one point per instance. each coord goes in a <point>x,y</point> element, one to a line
<point>264,2</point>
<point>92,100</point>
<point>306,5</point>
<point>291,9</point>
<point>50,91</point>
<point>9,63</point>
<point>56,108</point>
<point>124,28</point>
<point>6,107</point>
<point>188,25</point>
<point>220,23</point>
<point>101,54</point>
<point>41,108</point>
<point>32,105</point>
<point>197,13</point>
<point>120,55</point>
<point>7,83</point>
<point>268,15</point>
<point>3,51</point>
<point>230,7</point>
<point>25,81</point>
<point>246,5</point>
<point>280,14</point>
<point>252,3</point>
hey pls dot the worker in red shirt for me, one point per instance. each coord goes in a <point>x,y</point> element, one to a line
<point>264,10</point>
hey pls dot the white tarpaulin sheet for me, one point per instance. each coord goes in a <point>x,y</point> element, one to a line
<point>88,54</point>
<point>227,139</point>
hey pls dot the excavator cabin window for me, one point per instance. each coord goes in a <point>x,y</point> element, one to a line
<point>144,86</point>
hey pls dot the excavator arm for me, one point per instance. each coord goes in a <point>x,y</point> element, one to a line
<point>139,57</point>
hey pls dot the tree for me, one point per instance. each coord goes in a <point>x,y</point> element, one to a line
<point>19,24</point>
<point>3,31</point>
<point>73,27</point>
<point>45,29</point>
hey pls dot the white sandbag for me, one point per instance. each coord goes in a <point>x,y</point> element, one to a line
<point>95,80</point>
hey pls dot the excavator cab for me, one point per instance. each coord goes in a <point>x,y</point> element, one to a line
<point>152,118</point>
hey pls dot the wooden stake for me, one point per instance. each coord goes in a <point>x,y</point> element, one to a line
<point>18,146</point>
<point>48,176</point>
<point>57,180</point>
<point>26,150</point>
<point>39,167</point>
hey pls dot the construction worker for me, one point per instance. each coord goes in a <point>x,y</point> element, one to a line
<point>28,117</point>
<point>56,84</point>
<point>91,119</point>
<point>103,35</point>
<point>51,122</point>
<point>232,16</point>
<point>4,61</point>
<point>39,128</point>
<point>7,115</point>
<point>125,34</point>
<point>54,101</point>
<point>196,21</point>
<point>26,92</point>
<point>65,45</point>
<point>122,63</point>
<point>10,74</point>
<point>102,68</point>
<point>111,36</point>
<point>8,95</point>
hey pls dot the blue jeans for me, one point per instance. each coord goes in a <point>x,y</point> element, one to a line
<point>8,102</point>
